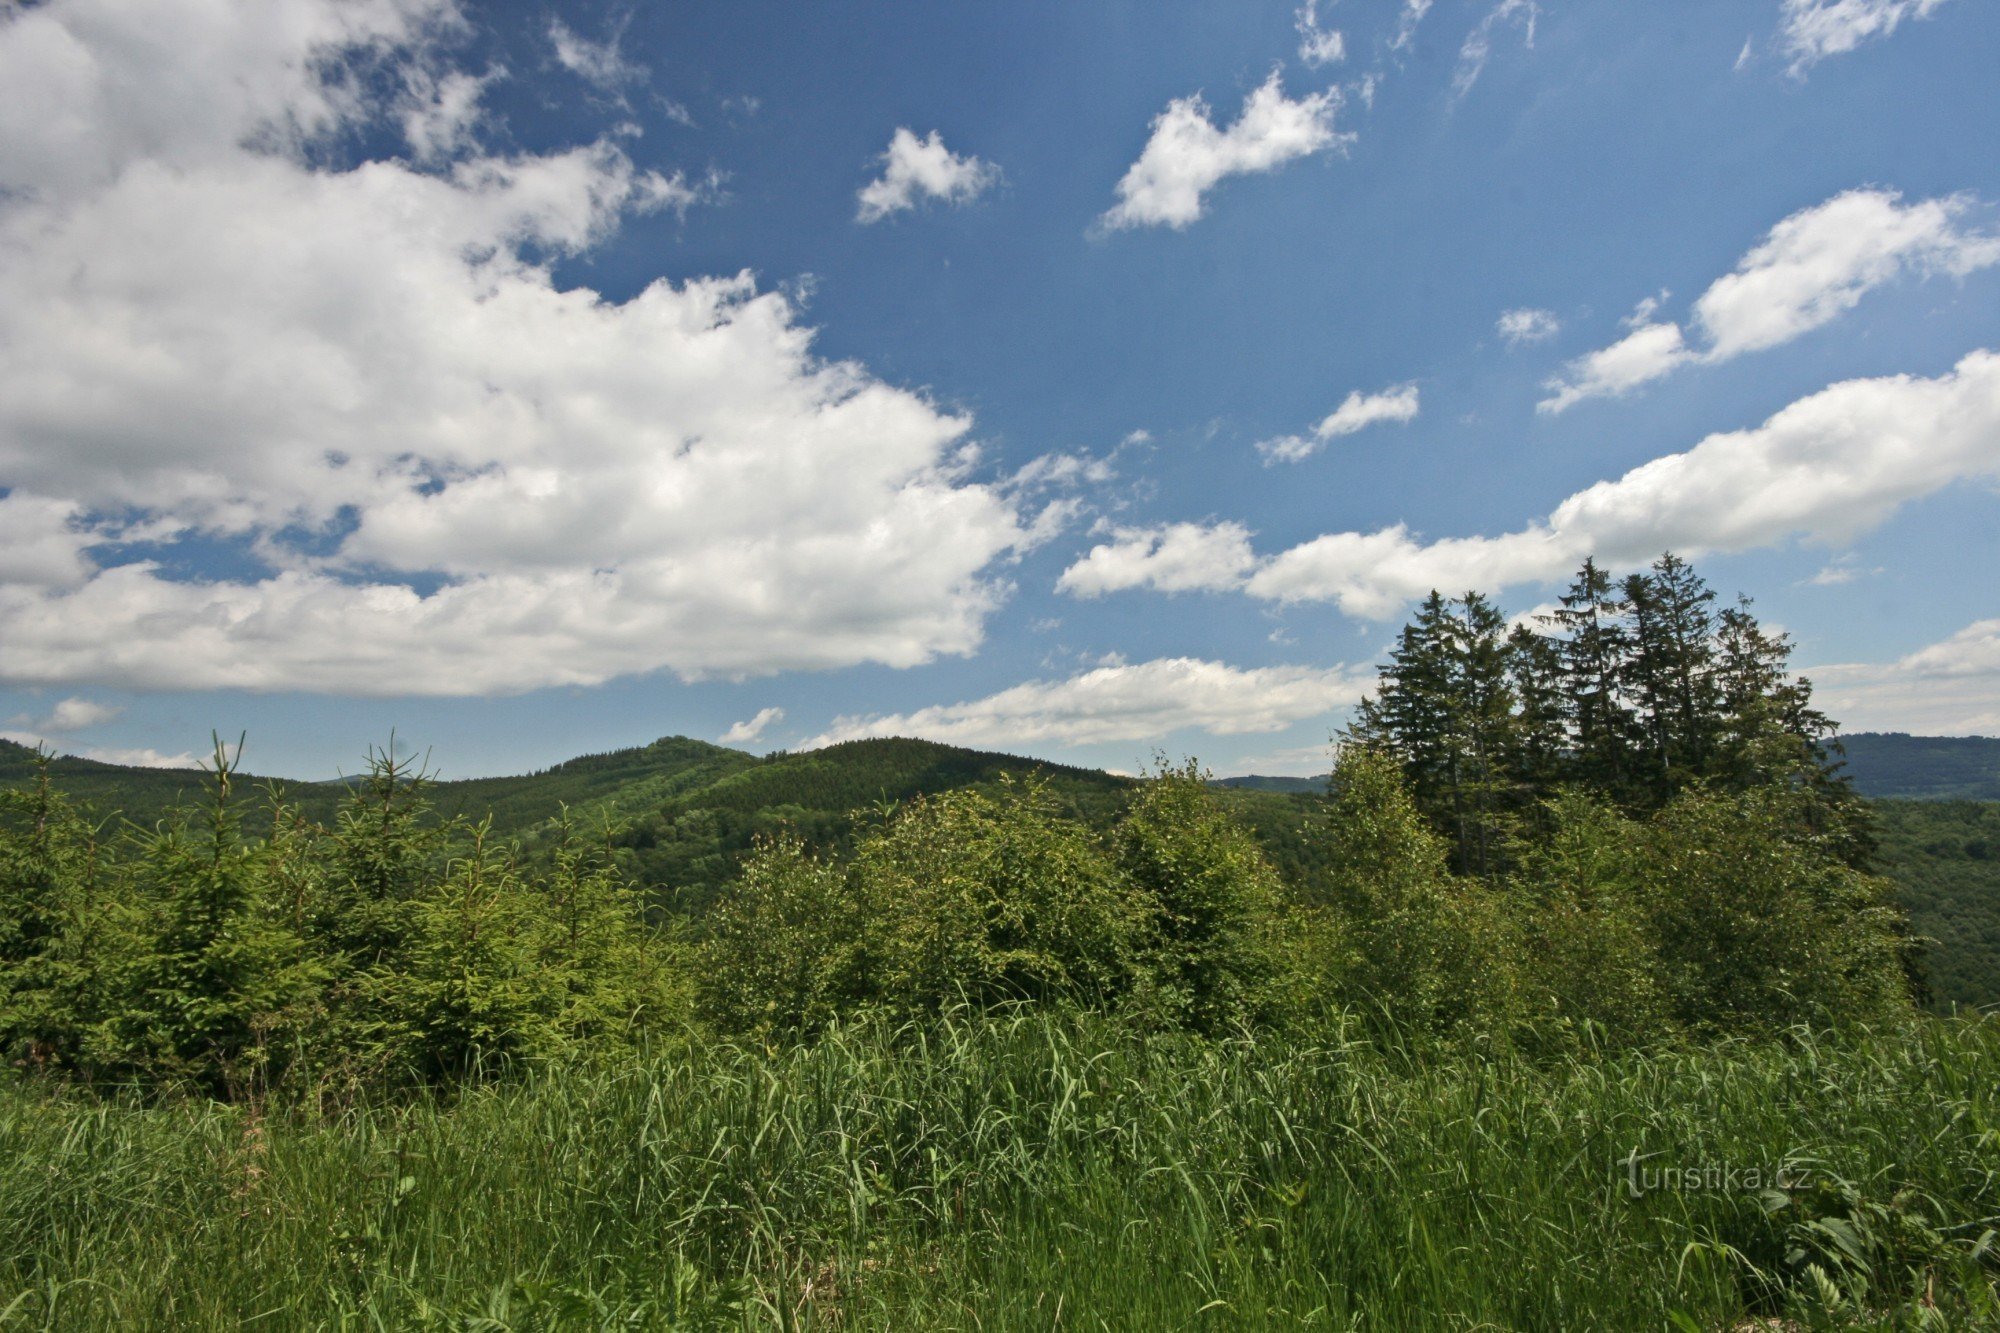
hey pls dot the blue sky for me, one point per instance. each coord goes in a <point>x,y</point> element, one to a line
<point>1077,380</point>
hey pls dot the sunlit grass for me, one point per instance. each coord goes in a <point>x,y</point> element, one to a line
<point>1036,1171</point>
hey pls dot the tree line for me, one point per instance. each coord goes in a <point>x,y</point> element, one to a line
<point>1618,826</point>
<point>1635,690</point>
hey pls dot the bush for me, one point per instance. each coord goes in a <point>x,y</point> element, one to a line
<point>1759,923</point>
<point>1587,958</point>
<point>783,948</point>
<point>1424,951</point>
<point>982,898</point>
<point>1215,942</point>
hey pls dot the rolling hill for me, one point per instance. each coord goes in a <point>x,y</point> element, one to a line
<point>686,812</point>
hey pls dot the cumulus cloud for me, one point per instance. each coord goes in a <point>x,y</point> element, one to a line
<point>1317,46</point>
<point>1187,156</point>
<point>746,733</point>
<point>1810,269</point>
<point>1143,701</point>
<point>459,477</point>
<point>1173,557</point>
<point>1478,47</point>
<point>72,714</point>
<point>1647,353</point>
<point>1951,687</point>
<point>1812,30</point>
<point>1357,412</point>
<point>1828,467</point>
<point>1527,325</point>
<point>916,169</point>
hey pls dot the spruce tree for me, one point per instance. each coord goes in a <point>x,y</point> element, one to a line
<point>1672,674</point>
<point>1596,650</point>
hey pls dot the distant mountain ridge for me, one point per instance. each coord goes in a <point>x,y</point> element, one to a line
<point>1897,766</point>
<point>1885,765</point>
<point>1888,765</point>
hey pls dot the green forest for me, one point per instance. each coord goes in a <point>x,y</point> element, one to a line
<point>1578,998</point>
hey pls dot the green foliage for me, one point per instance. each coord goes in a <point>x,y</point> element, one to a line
<point>991,899</point>
<point>1215,954</point>
<point>1424,950</point>
<point>1945,858</point>
<point>1635,691</point>
<point>313,959</point>
<point>783,947</point>
<point>1759,921</point>
<point>1588,961</point>
<point>225,976</point>
<point>64,937</point>
<point>1891,765</point>
<point>990,1172</point>
<point>994,899</point>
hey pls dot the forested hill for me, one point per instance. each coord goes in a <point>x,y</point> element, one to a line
<point>1883,764</point>
<point>642,775</point>
<point>1925,768</point>
<point>690,811</point>
<point>687,810</point>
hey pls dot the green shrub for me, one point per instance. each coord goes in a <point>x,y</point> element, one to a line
<point>1587,957</point>
<point>1758,923</point>
<point>1216,953</point>
<point>783,947</point>
<point>988,899</point>
<point>1424,951</point>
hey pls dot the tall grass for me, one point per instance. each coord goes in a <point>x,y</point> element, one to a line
<point>1037,1171</point>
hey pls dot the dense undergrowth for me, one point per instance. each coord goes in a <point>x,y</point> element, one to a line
<point>1043,1170</point>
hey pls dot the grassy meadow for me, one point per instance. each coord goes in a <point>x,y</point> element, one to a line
<point>1042,1170</point>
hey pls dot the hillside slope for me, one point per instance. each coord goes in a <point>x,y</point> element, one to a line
<point>1946,857</point>
<point>1928,768</point>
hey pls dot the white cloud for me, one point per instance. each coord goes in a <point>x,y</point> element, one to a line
<point>1478,47</point>
<point>1357,412</point>
<point>1812,30</point>
<point>1649,352</point>
<point>107,754</point>
<point>597,63</point>
<point>1527,325</point>
<point>1174,557</point>
<point>1317,46</point>
<point>1809,269</point>
<point>1360,410</point>
<point>1828,467</point>
<point>1144,701</point>
<point>1407,23</point>
<point>1950,687</point>
<point>1187,156</point>
<point>1818,263</point>
<point>1288,448</point>
<point>1973,651</point>
<point>463,478</point>
<point>77,713</point>
<point>916,169</point>
<point>746,733</point>
<point>72,714</point>
<point>1842,569</point>
<point>443,111</point>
